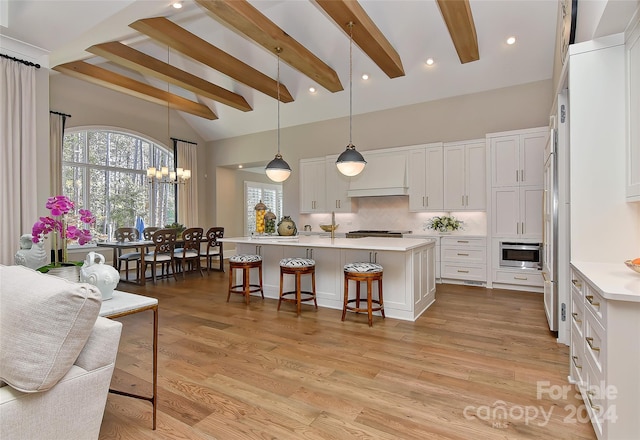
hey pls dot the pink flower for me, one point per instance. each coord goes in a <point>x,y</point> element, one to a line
<point>59,205</point>
<point>86,216</point>
<point>43,227</point>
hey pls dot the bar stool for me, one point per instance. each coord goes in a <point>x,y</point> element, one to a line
<point>245,262</point>
<point>298,267</point>
<point>361,272</point>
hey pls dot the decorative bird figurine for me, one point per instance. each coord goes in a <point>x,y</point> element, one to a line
<point>31,254</point>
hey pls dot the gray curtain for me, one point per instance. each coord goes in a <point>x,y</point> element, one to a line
<point>56,138</point>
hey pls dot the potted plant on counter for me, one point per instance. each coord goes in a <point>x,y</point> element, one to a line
<point>444,224</point>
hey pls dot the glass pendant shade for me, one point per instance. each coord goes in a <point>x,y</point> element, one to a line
<point>350,162</point>
<point>278,170</point>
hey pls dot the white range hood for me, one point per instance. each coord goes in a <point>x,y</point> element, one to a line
<point>384,175</point>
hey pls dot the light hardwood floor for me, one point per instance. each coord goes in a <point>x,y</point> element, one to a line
<point>478,364</point>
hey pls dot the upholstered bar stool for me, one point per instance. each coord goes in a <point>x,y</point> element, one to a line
<point>298,267</point>
<point>245,262</point>
<point>363,272</point>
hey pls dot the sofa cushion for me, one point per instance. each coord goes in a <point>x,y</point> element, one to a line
<point>44,323</point>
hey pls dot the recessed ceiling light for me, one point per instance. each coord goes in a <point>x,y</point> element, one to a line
<point>239,166</point>
<point>365,76</point>
<point>312,90</point>
<point>429,61</point>
<point>177,5</point>
<point>511,40</point>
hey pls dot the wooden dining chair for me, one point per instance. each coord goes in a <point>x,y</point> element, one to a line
<point>123,235</point>
<point>164,242</point>
<point>214,248</point>
<point>189,254</point>
<point>147,232</point>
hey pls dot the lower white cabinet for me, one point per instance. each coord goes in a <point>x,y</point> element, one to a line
<point>463,259</point>
<point>605,352</point>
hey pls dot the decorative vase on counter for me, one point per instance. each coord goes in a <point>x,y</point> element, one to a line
<point>287,226</point>
<point>103,276</point>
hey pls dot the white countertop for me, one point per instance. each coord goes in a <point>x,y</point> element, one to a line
<point>376,243</point>
<point>615,280</point>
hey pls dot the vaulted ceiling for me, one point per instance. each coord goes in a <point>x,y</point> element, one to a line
<point>216,60</point>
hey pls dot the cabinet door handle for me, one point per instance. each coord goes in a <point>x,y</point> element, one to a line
<point>577,283</point>
<point>518,228</point>
<point>463,271</point>
<point>520,278</point>
<point>370,257</point>
<point>590,299</point>
<point>427,201</point>
<point>463,255</point>
<point>463,241</point>
<point>596,408</point>
<point>575,362</point>
<point>521,175</point>
<point>423,201</point>
<point>462,201</point>
<point>590,344</point>
<point>523,228</point>
<point>517,179</point>
<point>575,318</point>
<point>466,198</point>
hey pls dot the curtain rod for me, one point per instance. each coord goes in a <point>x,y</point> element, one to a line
<point>182,140</point>
<point>58,113</point>
<point>28,63</point>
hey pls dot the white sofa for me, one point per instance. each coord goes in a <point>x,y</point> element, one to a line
<point>56,357</point>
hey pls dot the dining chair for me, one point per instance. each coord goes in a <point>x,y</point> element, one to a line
<point>164,242</point>
<point>147,232</point>
<point>214,248</point>
<point>128,234</point>
<point>189,254</point>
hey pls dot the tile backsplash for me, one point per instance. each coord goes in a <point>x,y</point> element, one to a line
<point>391,213</point>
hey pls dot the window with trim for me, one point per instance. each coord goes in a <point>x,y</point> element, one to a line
<point>254,192</point>
<point>105,171</point>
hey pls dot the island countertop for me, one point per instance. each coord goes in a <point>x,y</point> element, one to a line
<point>375,243</point>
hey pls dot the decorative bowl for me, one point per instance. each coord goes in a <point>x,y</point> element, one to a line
<point>328,228</point>
<point>634,267</point>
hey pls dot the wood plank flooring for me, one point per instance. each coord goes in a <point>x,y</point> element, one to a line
<point>478,364</point>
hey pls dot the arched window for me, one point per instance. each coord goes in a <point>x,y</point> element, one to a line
<point>104,170</point>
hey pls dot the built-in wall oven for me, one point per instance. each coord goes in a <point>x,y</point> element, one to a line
<point>522,255</point>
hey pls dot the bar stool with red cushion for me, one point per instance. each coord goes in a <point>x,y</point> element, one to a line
<point>363,272</point>
<point>298,267</point>
<point>245,262</point>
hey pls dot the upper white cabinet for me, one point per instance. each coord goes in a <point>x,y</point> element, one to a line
<point>312,185</point>
<point>426,176</point>
<point>632,47</point>
<point>517,212</point>
<point>465,176</point>
<point>337,185</point>
<point>518,159</point>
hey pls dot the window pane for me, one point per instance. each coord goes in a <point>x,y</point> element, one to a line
<point>98,199</point>
<point>127,198</point>
<point>97,147</point>
<point>73,148</point>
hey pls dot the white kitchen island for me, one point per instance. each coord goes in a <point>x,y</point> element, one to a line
<point>409,285</point>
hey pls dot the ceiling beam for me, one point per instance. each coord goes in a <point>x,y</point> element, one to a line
<point>243,17</point>
<point>115,81</point>
<point>459,20</point>
<point>128,57</point>
<point>178,38</point>
<point>365,34</point>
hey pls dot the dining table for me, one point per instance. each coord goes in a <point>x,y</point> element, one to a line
<point>140,246</point>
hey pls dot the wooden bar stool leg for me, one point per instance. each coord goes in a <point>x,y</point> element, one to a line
<point>245,284</point>
<point>357,294</point>
<point>380,296</point>
<point>281,286</point>
<point>313,288</point>
<point>298,295</point>
<point>231,272</point>
<point>346,296</point>
<point>369,300</point>
<point>260,275</point>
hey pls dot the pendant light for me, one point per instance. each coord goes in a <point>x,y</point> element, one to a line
<point>350,162</point>
<point>278,170</point>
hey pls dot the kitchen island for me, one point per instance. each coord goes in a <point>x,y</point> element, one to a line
<point>409,267</point>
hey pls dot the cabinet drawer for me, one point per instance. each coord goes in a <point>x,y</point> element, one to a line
<point>578,284</point>
<point>595,346</point>
<point>524,278</point>
<point>594,302</point>
<point>463,241</point>
<point>465,255</point>
<point>593,395</point>
<point>577,360</point>
<point>464,272</point>
<point>577,313</point>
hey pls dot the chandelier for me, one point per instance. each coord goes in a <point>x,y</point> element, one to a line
<point>163,175</point>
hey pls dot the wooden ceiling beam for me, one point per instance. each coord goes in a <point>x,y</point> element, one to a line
<point>115,81</point>
<point>459,20</point>
<point>128,57</point>
<point>365,34</point>
<point>244,18</point>
<point>178,38</point>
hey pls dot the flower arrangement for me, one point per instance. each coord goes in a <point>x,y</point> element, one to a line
<point>444,223</point>
<point>65,223</point>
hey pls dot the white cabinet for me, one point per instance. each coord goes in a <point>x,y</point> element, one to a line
<point>312,185</point>
<point>337,185</point>
<point>426,177</point>
<point>465,176</point>
<point>518,159</point>
<point>517,212</point>
<point>463,258</point>
<point>632,47</point>
<point>604,352</point>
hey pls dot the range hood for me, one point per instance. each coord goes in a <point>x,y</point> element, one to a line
<point>384,175</point>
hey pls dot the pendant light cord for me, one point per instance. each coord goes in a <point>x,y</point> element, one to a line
<point>350,80</point>
<point>278,50</point>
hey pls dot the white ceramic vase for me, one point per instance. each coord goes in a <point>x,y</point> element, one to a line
<point>103,276</point>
